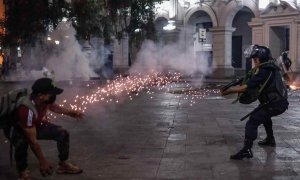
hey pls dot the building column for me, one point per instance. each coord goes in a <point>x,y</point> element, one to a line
<point>120,55</point>
<point>222,45</point>
<point>173,10</point>
<point>297,56</point>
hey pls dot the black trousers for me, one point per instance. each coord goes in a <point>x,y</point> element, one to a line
<point>263,116</point>
<point>45,131</point>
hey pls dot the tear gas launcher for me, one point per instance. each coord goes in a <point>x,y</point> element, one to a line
<point>232,83</point>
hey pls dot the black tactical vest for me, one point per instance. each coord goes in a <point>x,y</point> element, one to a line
<point>275,89</point>
<point>272,89</point>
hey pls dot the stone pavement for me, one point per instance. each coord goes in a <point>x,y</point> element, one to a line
<point>161,136</point>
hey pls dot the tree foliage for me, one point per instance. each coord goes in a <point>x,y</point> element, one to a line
<point>107,18</point>
<point>88,18</point>
<point>141,21</point>
<point>27,20</point>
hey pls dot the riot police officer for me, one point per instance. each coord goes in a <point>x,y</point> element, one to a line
<point>265,83</point>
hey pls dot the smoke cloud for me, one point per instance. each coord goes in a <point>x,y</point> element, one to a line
<point>61,57</point>
<point>68,60</point>
<point>179,56</point>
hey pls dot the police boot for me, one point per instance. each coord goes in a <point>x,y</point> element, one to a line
<point>267,142</point>
<point>245,152</point>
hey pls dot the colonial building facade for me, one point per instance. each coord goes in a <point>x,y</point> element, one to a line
<point>224,28</point>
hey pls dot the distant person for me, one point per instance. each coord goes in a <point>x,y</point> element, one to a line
<point>5,67</point>
<point>7,64</point>
<point>31,128</point>
<point>286,60</point>
<point>285,63</point>
<point>263,82</point>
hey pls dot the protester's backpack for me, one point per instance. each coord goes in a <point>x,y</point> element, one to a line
<point>8,104</point>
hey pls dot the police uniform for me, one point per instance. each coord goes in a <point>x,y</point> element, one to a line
<point>275,104</point>
<point>264,82</point>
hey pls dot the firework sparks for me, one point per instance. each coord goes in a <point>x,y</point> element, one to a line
<point>131,86</point>
<point>293,87</point>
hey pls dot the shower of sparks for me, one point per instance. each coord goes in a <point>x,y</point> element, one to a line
<point>131,86</point>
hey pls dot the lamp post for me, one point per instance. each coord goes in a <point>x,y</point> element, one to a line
<point>170,26</point>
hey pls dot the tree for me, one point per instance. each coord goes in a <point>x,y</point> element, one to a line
<point>115,18</point>
<point>141,21</point>
<point>104,18</point>
<point>135,17</point>
<point>89,18</point>
<point>27,21</point>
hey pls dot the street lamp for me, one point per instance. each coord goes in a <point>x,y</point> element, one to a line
<point>49,38</point>
<point>170,26</point>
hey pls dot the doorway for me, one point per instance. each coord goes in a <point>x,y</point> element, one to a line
<point>237,43</point>
<point>279,40</point>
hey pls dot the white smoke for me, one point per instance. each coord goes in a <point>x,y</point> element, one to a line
<point>60,57</point>
<point>171,57</point>
<point>68,61</point>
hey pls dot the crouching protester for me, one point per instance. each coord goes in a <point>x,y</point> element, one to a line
<point>32,125</point>
<point>263,82</point>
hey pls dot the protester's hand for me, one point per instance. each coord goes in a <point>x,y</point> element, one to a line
<point>46,169</point>
<point>76,114</point>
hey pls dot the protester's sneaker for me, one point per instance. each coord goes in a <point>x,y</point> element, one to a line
<point>24,175</point>
<point>68,168</point>
<point>244,153</point>
<point>267,142</point>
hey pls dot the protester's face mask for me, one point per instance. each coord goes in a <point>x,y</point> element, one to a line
<point>51,99</point>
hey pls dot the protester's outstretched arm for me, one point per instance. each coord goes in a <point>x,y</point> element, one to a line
<point>235,89</point>
<point>69,112</point>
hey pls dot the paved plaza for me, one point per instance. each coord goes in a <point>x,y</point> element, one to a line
<point>162,135</point>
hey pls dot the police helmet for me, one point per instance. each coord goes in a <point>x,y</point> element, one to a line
<point>284,54</point>
<point>261,52</point>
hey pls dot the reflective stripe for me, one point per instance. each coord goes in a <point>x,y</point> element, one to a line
<point>29,118</point>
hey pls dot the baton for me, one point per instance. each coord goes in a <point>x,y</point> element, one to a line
<point>256,109</point>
